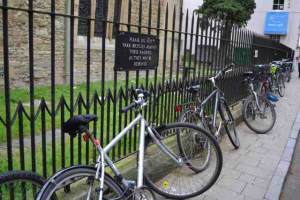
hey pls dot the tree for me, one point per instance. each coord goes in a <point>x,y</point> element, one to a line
<point>236,12</point>
<point>230,12</point>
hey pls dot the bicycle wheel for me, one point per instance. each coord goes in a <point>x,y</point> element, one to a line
<point>175,180</point>
<point>259,119</point>
<point>20,185</point>
<point>288,74</point>
<point>76,184</point>
<point>229,124</point>
<point>281,85</point>
<point>193,139</point>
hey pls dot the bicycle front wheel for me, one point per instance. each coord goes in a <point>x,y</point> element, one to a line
<point>175,179</point>
<point>259,116</point>
<point>79,183</point>
<point>20,185</point>
<point>229,124</point>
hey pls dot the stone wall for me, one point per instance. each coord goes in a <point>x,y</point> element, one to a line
<point>19,43</point>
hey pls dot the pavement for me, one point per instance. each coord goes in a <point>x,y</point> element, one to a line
<point>257,169</point>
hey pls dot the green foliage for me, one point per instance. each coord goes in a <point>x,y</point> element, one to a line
<point>237,12</point>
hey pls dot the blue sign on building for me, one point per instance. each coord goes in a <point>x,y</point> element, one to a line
<point>276,23</point>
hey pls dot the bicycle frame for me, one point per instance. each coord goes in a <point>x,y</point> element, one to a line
<point>103,153</point>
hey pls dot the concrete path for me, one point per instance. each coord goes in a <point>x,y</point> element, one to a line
<point>258,168</point>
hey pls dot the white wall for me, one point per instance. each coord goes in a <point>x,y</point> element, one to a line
<point>257,21</point>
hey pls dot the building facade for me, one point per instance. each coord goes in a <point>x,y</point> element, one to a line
<point>278,20</point>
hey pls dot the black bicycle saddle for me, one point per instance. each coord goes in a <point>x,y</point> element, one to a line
<point>78,124</point>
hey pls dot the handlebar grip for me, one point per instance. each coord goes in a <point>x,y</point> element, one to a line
<point>129,107</point>
<point>228,68</point>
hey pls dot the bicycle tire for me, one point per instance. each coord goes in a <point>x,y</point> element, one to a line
<point>28,181</point>
<point>281,85</point>
<point>229,124</point>
<point>288,74</point>
<point>248,116</point>
<point>190,116</point>
<point>158,169</point>
<point>58,185</point>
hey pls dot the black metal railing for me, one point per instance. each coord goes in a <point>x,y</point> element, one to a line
<point>191,51</point>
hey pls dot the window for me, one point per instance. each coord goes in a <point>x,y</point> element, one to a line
<point>278,5</point>
<point>97,12</point>
<point>275,37</point>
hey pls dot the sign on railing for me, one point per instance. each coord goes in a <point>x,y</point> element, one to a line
<point>136,52</point>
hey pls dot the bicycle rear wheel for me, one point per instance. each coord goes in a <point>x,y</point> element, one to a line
<point>76,183</point>
<point>191,116</point>
<point>259,120</point>
<point>177,180</point>
<point>229,124</point>
<point>20,185</point>
<point>281,85</point>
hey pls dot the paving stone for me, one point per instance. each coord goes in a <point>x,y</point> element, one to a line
<point>251,198</point>
<point>231,163</point>
<point>232,184</point>
<point>208,198</point>
<point>291,143</point>
<point>287,155</point>
<point>255,171</point>
<point>261,182</point>
<point>273,148</point>
<point>219,192</point>
<point>275,187</point>
<point>267,166</point>
<point>257,149</point>
<point>296,126</point>
<point>247,178</point>
<point>282,168</point>
<point>246,160</point>
<point>254,191</point>
<point>231,173</point>
<point>294,134</point>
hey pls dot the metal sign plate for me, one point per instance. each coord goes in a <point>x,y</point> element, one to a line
<point>136,51</point>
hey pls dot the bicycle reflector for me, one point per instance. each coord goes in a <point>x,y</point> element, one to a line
<point>177,108</point>
<point>85,138</point>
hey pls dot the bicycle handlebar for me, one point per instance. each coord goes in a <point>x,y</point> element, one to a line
<point>129,107</point>
<point>224,71</point>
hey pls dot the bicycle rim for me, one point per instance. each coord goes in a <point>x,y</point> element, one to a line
<point>259,119</point>
<point>76,184</point>
<point>175,181</point>
<point>20,185</point>
<point>229,124</point>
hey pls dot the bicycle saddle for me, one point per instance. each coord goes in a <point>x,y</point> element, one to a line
<point>193,89</point>
<point>248,74</point>
<point>78,124</point>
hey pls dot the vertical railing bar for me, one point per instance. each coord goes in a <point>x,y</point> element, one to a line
<point>103,71</point>
<point>108,126</point>
<point>178,55</point>
<point>95,126</point>
<point>196,47</point>
<point>72,78</point>
<point>44,152</point>
<point>155,71</point>
<point>217,23</point>
<point>127,82</point>
<point>62,116</point>
<point>53,85</point>
<point>209,48</point>
<point>201,48</point>
<point>6,86</point>
<point>164,66</point>
<point>31,82</point>
<point>184,75</point>
<point>191,49</point>
<point>80,134</point>
<point>21,137</point>
<point>88,78</point>
<point>170,104</point>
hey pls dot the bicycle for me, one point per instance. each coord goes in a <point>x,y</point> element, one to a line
<point>258,112</point>
<point>196,114</point>
<point>277,80</point>
<point>20,184</point>
<point>165,162</point>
